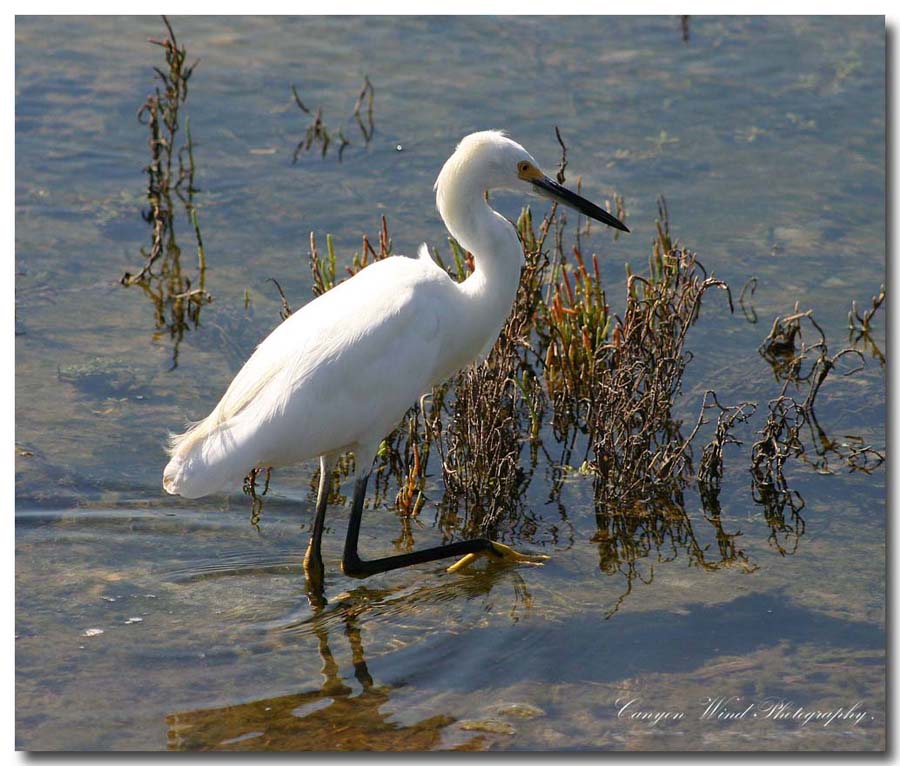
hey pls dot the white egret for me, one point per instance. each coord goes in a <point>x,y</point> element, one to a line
<point>339,374</point>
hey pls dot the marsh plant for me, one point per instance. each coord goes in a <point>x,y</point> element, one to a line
<point>797,350</point>
<point>585,390</point>
<point>319,136</point>
<point>177,296</point>
<point>614,383</point>
<point>613,379</point>
<point>861,326</point>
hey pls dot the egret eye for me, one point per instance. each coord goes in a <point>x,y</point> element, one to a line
<point>527,171</point>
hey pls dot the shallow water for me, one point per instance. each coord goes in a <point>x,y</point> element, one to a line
<point>766,137</point>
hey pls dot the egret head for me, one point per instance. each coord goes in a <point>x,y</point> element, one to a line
<point>489,160</point>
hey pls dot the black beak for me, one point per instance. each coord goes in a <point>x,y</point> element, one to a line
<point>558,193</point>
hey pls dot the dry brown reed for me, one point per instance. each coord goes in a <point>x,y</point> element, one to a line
<point>792,431</point>
<point>319,135</point>
<point>176,296</point>
<point>861,326</point>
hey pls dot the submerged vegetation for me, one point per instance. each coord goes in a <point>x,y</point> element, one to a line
<point>177,297</point>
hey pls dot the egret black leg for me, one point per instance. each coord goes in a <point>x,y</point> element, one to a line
<point>354,566</point>
<point>312,562</point>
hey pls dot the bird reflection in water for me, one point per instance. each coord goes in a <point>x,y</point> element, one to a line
<point>334,717</point>
<point>341,715</point>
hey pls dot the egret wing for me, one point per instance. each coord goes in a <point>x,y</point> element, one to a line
<point>338,373</point>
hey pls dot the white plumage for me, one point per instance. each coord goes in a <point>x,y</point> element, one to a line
<point>339,374</point>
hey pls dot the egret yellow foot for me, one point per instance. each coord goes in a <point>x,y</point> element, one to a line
<point>505,553</point>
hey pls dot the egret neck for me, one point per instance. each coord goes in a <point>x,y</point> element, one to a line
<point>488,293</point>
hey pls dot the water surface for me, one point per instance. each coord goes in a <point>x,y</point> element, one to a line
<point>766,135</point>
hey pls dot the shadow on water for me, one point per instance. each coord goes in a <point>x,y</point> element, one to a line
<point>575,649</point>
<point>342,716</point>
